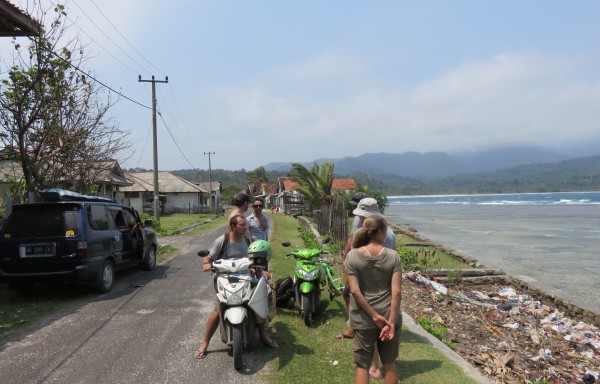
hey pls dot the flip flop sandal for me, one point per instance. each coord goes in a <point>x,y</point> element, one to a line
<point>200,354</point>
<point>272,344</point>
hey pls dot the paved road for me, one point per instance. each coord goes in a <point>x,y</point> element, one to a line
<point>132,334</point>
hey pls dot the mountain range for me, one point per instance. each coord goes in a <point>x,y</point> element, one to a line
<point>434,165</point>
<point>502,170</point>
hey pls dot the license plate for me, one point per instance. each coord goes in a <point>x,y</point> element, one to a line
<point>37,250</point>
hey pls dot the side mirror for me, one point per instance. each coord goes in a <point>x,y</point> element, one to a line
<point>286,244</point>
<point>203,252</point>
<point>148,223</point>
<point>327,240</point>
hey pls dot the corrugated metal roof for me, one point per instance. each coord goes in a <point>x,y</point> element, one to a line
<point>14,22</point>
<point>167,183</point>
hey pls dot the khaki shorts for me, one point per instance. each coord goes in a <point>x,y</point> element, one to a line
<point>364,344</point>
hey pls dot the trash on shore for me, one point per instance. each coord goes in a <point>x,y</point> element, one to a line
<point>508,334</point>
<point>425,282</point>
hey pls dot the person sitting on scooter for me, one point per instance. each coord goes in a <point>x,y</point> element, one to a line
<point>236,247</point>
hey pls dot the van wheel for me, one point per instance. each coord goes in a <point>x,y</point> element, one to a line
<point>105,277</point>
<point>150,261</point>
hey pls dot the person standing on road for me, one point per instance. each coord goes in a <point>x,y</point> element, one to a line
<point>375,279</point>
<point>236,247</point>
<point>258,223</point>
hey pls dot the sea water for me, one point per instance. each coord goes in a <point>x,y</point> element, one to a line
<point>551,240</point>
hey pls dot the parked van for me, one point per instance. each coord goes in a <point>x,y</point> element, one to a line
<point>73,237</point>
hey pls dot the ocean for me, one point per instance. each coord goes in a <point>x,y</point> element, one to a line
<point>551,240</point>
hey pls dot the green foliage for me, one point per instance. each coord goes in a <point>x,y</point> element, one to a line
<point>309,238</point>
<point>259,175</point>
<point>421,259</point>
<point>437,329</point>
<point>315,184</point>
<point>455,277</point>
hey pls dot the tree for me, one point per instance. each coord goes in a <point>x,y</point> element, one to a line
<point>53,119</point>
<point>259,175</point>
<point>315,184</point>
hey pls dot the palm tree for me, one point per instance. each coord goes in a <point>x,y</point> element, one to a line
<point>315,184</point>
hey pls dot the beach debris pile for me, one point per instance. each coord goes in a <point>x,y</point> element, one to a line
<point>506,333</point>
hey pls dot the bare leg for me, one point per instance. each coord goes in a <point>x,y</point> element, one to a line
<point>264,336</point>
<point>391,373</point>
<point>362,375</point>
<point>374,371</point>
<point>349,332</point>
<point>211,326</point>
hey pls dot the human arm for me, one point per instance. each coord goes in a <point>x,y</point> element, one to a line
<point>347,249</point>
<point>387,333</point>
<point>362,303</point>
<point>213,253</point>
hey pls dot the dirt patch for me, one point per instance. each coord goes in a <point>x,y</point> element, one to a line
<point>507,334</point>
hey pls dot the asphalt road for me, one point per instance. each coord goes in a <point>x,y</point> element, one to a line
<point>144,331</point>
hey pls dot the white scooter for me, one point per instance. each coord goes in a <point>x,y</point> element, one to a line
<point>242,297</point>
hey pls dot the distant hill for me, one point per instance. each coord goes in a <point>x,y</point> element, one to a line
<point>434,165</point>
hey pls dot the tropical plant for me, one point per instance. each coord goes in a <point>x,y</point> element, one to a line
<point>315,184</point>
<point>259,175</point>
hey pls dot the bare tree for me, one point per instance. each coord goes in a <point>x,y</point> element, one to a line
<point>54,120</point>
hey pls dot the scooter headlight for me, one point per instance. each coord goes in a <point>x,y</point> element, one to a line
<point>234,299</point>
<point>309,275</point>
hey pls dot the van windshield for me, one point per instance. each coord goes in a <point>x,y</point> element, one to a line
<point>43,221</point>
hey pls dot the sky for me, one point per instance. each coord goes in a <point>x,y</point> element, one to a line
<point>257,82</point>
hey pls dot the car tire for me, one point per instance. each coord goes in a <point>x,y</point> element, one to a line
<point>149,261</point>
<point>105,277</point>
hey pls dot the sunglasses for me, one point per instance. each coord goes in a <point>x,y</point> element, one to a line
<point>258,206</point>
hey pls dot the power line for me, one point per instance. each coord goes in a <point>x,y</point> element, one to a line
<point>174,141</point>
<point>124,38</point>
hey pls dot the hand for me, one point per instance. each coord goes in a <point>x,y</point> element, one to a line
<point>206,267</point>
<point>381,321</point>
<point>387,333</point>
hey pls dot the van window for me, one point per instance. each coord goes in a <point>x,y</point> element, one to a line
<point>98,218</point>
<point>43,221</point>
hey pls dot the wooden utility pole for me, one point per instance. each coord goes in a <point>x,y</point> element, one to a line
<point>210,202</point>
<point>155,203</point>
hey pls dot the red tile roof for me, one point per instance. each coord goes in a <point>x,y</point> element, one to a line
<point>343,184</point>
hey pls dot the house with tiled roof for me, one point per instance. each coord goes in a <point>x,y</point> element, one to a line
<point>176,195</point>
<point>290,201</point>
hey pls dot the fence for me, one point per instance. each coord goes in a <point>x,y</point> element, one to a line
<point>332,219</point>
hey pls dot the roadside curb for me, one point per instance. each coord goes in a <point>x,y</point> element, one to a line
<point>467,368</point>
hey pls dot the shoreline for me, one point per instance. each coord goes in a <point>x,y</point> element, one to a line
<point>562,304</point>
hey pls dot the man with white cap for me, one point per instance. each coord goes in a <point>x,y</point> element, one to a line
<point>366,207</point>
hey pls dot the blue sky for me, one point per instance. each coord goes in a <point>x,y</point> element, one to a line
<point>280,81</point>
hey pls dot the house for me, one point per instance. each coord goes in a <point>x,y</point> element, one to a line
<point>268,191</point>
<point>14,22</point>
<point>215,187</point>
<point>107,176</point>
<point>290,201</point>
<point>176,195</point>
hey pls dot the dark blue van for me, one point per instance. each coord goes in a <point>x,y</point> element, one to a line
<point>73,237</point>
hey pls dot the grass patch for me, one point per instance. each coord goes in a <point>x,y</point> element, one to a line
<point>313,355</point>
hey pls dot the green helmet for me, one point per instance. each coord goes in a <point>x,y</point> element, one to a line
<point>260,248</point>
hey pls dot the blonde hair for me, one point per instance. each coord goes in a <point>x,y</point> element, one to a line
<point>371,226</point>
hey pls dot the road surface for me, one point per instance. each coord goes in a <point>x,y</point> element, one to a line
<point>144,331</point>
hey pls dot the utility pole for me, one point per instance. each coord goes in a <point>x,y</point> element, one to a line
<point>155,203</point>
<point>210,202</point>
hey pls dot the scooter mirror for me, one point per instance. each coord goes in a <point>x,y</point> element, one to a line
<point>327,240</point>
<point>203,252</point>
<point>286,244</point>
